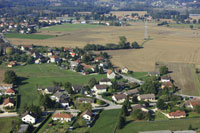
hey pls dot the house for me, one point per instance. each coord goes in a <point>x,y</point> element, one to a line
<point>121,85</point>
<point>146,97</point>
<point>84,100</point>
<point>23,128</point>
<point>165,79</point>
<point>56,96</point>
<point>111,74</point>
<point>38,61</point>
<point>5,86</point>
<point>77,88</point>
<point>49,54</point>
<point>62,117</point>
<point>157,74</point>
<point>139,106</point>
<point>36,55</point>
<point>105,81</point>
<point>9,102</point>
<point>51,90</point>
<point>9,92</point>
<point>119,98</point>
<point>167,85</point>
<point>72,54</point>
<point>29,118</point>
<point>131,92</point>
<point>26,47</point>
<point>100,89</point>
<point>54,59</point>
<point>64,101</point>
<point>87,115</point>
<point>87,67</point>
<point>125,70</point>
<point>177,114</point>
<point>12,64</point>
<point>73,64</point>
<point>99,59</point>
<point>192,103</point>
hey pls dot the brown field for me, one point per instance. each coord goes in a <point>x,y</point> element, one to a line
<point>168,44</point>
<point>184,77</point>
<point>123,13</point>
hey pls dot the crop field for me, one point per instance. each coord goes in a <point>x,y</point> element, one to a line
<point>28,36</point>
<point>33,76</point>
<point>185,78</point>
<point>107,122</point>
<point>168,44</point>
<point>178,124</point>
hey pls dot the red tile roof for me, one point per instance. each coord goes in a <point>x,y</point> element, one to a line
<point>177,113</point>
<point>109,72</point>
<point>99,58</point>
<point>10,90</point>
<point>62,115</point>
<point>8,100</point>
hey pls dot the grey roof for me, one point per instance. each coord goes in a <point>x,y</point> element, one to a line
<point>137,106</point>
<point>53,89</point>
<point>23,128</point>
<point>147,96</point>
<point>84,99</point>
<point>101,87</point>
<point>105,80</point>
<point>58,94</point>
<point>77,87</point>
<point>64,99</point>
<point>161,131</point>
<point>132,92</point>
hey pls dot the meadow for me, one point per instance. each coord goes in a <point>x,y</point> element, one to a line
<point>28,36</point>
<point>6,124</point>
<point>33,76</point>
<point>107,122</point>
<point>177,124</point>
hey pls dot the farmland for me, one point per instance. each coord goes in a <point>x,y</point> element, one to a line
<point>107,122</point>
<point>28,36</point>
<point>1,75</point>
<point>168,44</point>
<point>43,76</point>
<point>178,124</point>
<point>185,78</point>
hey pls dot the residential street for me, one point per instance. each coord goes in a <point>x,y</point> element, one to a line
<point>131,79</point>
<point>6,114</point>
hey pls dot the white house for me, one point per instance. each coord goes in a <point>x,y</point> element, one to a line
<point>62,117</point>
<point>165,79</point>
<point>100,89</point>
<point>111,74</point>
<point>54,59</point>
<point>125,70</point>
<point>105,82</point>
<point>87,115</point>
<point>38,61</point>
<point>146,97</point>
<point>119,98</point>
<point>29,118</point>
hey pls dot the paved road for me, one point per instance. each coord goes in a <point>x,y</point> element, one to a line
<point>110,106</point>
<point>131,79</point>
<point>6,114</point>
<point>186,96</point>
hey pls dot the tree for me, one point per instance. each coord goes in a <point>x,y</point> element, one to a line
<point>191,26</point>
<point>101,71</point>
<point>30,60</point>
<point>10,77</point>
<point>190,127</point>
<point>163,70</point>
<point>9,50</point>
<point>114,85</point>
<point>124,110</point>
<point>161,104</point>
<point>96,68</point>
<point>122,41</point>
<point>121,122</point>
<point>194,21</point>
<point>92,82</point>
<point>197,109</point>
<point>46,102</point>
<point>135,45</point>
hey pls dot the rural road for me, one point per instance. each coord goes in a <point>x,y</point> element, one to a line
<point>6,114</point>
<point>131,79</point>
<point>185,96</point>
<point>111,104</point>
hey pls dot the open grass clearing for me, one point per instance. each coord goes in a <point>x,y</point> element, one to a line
<point>177,124</point>
<point>6,124</point>
<point>28,36</point>
<point>140,75</point>
<point>107,122</point>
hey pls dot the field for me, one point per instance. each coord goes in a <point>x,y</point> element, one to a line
<point>6,124</point>
<point>178,124</point>
<point>28,36</point>
<point>140,75</point>
<point>184,25</point>
<point>185,78</point>
<point>168,44</point>
<point>106,122</point>
<point>43,76</point>
<point>1,75</point>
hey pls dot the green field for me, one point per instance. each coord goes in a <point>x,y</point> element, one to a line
<point>184,25</point>
<point>106,122</point>
<point>28,36</point>
<point>6,124</point>
<point>178,124</point>
<point>140,75</point>
<point>69,27</point>
<point>43,76</point>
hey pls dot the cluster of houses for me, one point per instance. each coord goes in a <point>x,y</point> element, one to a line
<point>8,93</point>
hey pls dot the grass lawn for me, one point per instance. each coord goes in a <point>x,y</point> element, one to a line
<point>28,36</point>
<point>177,124</point>
<point>140,75</point>
<point>184,25</point>
<point>106,122</point>
<point>69,27</point>
<point>43,76</point>
<point>6,124</point>
<point>159,116</point>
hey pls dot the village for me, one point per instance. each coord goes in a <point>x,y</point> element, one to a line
<point>80,105</point>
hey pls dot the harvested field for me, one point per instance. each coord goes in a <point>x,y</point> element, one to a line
<point>185,78</point>
<point>168,45</point>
